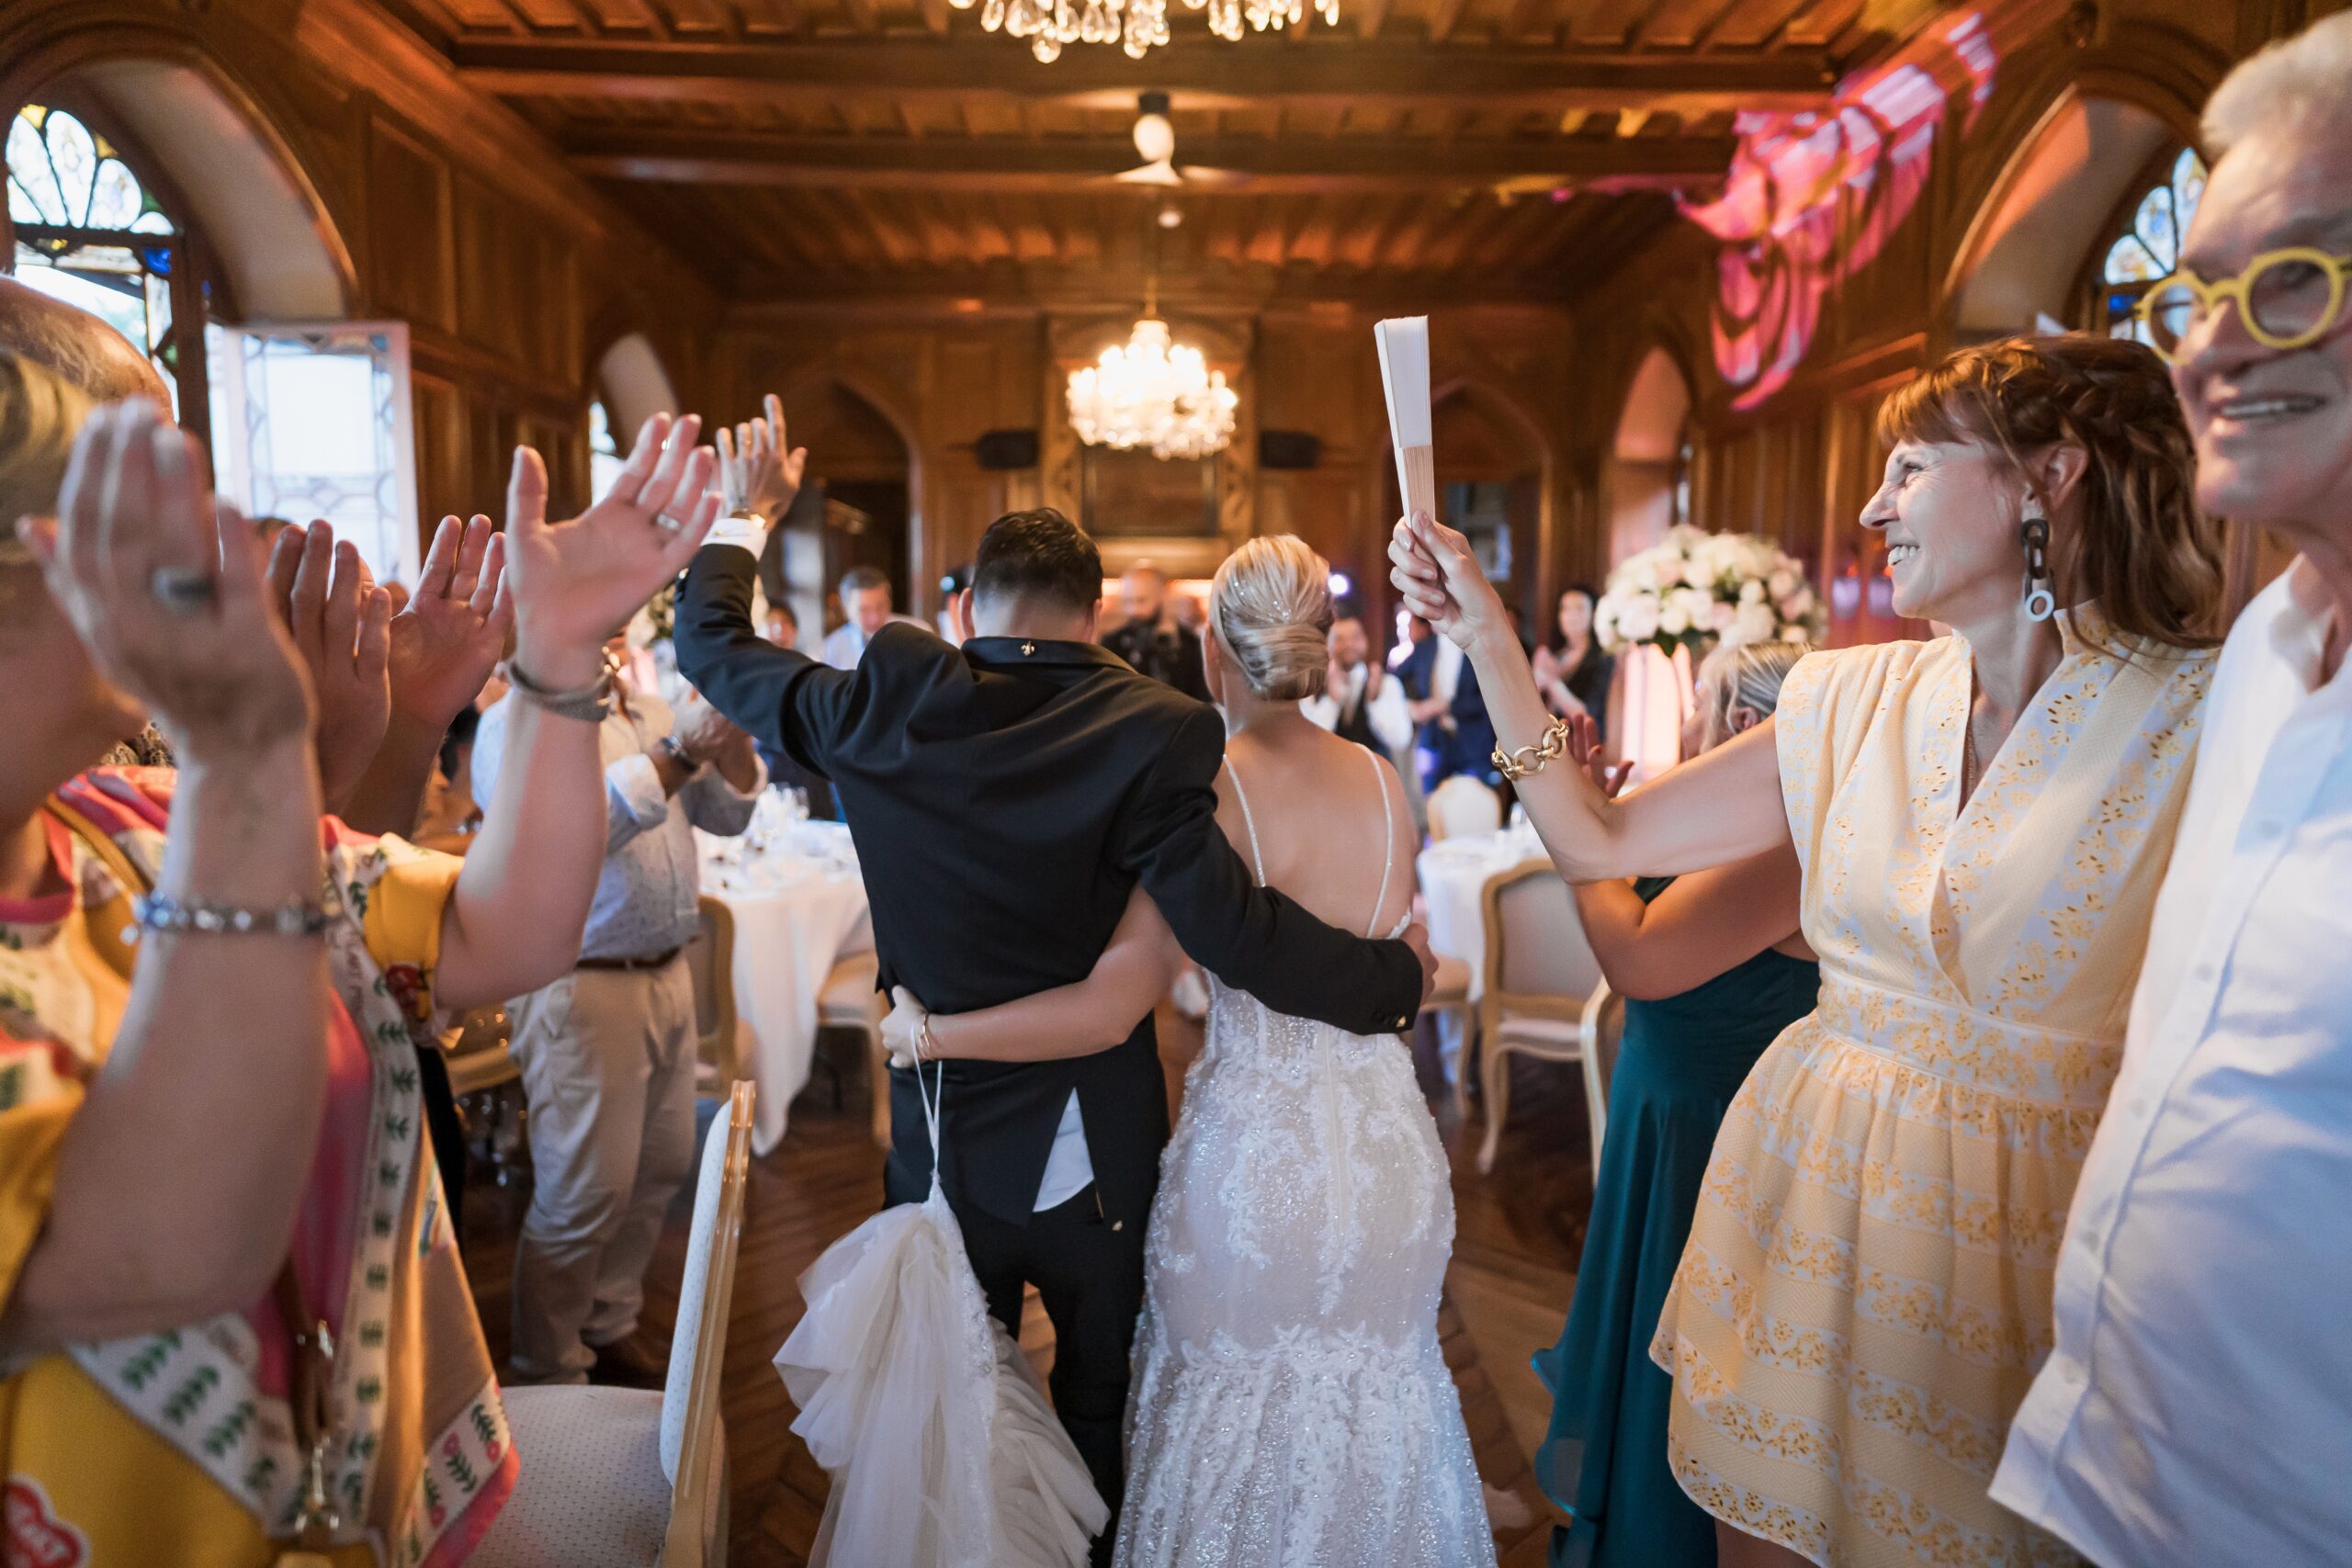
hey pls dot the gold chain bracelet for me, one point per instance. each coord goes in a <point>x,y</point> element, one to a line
<point>1527,759</point>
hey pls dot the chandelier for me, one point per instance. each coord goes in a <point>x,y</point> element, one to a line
<point>1136,26</point>
<point>1152,392</point>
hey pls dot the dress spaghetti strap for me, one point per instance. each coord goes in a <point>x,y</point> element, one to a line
<point>1248,821</point>
<point>1387,837</point>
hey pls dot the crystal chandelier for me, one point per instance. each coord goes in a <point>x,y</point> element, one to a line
<point>1152,392</point>
<point>1136,26</point>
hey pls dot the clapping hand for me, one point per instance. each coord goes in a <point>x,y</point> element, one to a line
<point>1435,569</point>
<point>1584,751</point>
<point>340,623</point>
<point>444,644</point>
<point>135,560</point>
<point>704,733</point>
<point>902,1031</point>
<point>574,582</point>
<point>756,473</point>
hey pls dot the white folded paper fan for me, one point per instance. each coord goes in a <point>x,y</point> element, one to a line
<point>1404,343</point>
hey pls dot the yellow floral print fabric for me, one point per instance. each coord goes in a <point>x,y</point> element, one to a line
<point>1866,1293</point>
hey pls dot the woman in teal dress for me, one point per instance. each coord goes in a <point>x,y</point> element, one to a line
<point>1713,970</point>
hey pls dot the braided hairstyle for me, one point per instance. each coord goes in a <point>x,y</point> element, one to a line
<point>2142,551</point>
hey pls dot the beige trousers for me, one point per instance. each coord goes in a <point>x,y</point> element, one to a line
<point>607,1059</point>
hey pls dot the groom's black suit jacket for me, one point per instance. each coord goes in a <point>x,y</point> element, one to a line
<point>1006,796</point>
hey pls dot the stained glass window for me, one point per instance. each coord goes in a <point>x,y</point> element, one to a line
<point>313,422</point>
<point>2148,250</point>
<point>89,232</point>
<point>604,457</point>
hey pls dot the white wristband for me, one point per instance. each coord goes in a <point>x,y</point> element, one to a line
<point>750,533</point>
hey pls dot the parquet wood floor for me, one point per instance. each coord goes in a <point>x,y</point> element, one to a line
<point>1518,1235</point>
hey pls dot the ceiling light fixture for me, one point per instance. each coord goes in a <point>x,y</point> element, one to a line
<point>1152,392</point>
<point>1136,26</point>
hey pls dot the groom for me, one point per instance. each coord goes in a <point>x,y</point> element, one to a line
<point>1006,796</point>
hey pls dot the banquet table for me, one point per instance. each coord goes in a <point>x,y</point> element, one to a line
<point>800,907</point>
<point>1453,875</point>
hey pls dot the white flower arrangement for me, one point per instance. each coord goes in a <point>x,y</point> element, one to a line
<point>1700,588</point>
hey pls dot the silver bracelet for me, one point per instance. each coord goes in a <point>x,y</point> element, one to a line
<point>590,703</point>
<point>162,912</point>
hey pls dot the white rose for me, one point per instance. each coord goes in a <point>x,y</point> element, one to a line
<point>1751,623</point>
<point>1638,621</point>
<point>1800,634</point>
<point>1675,619</point>
<point>1751,593</point>
<point>1784,582</point>
<point>1721,617</point>
<point>1604,621</point>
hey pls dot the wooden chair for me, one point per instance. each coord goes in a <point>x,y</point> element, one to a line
<point>1462,806</point>
<point>1539,970</point>
<point>710,959</point>
<point>849,1001</point>
<point>1604,1023</point>
<point>626,1477</point>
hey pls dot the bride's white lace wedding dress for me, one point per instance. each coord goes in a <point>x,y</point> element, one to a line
<point>1292,1406</point>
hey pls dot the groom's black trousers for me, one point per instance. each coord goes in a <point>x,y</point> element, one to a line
<point>1090,1276</point>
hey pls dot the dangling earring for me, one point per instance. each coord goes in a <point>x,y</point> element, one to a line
<point>2041,603</point>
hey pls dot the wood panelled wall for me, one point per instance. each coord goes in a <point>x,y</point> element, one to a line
<point>1800,466</point>
<point>457,217</point>
<point>944,378</point>
<point>454,215</point>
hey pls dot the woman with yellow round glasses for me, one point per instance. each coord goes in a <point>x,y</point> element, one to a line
<point>2287,299</point>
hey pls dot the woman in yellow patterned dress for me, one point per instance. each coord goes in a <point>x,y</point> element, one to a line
<point>1982,822</point>
<point>210,1128</point>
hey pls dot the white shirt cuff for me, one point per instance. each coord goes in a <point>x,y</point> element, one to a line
<point>744,533</point>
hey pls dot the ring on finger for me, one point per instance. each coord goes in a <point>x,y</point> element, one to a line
<point>663,520</point>
<point>184,591</point>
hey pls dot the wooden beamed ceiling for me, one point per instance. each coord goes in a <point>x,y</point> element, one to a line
<point>892,149</point>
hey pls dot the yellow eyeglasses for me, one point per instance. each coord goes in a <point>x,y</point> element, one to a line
<point>2286,299</point>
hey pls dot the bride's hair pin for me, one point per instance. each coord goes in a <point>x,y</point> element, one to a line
<point>1270,606</point>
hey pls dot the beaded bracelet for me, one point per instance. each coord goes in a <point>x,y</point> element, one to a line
<point>1529,760</point>
<point>162,912</point>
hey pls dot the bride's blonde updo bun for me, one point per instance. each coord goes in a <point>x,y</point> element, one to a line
<point>1271,606</point>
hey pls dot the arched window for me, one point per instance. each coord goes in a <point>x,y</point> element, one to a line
<point>2143,247</point>
<point>604,457</point>
<point>89,232</point>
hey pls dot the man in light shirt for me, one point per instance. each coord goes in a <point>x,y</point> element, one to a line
<point>866,601</point>
<point>2197,1410</point>
<point>1361,701</point>
<point>608,1052</point>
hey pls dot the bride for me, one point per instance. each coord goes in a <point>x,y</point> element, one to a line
<point>1291,1404</point>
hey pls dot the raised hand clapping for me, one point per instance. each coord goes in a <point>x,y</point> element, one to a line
<point>135,558</point>
<point>1584,751</point>
<point>756,471</point>
<point>339,620</point>
<point>574,582</point>
<point>446,642</point>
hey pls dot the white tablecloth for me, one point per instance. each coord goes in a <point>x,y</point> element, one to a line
<point>1453,873</point>
<point>799,906</point>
